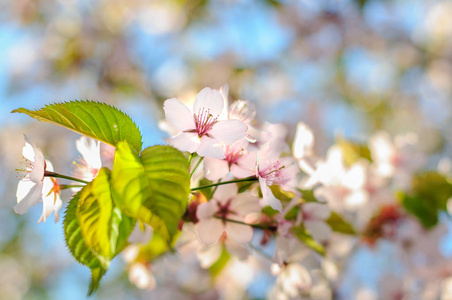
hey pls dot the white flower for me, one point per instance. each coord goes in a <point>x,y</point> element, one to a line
<point>34,186</point>
<point>51,200</point>
<point>29,189</point>
<point>226,205</point>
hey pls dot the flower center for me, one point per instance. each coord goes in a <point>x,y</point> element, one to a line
<point>204,121</point>
<point>224,209</point>
<point>233,155</point>
<point>273,173</point>
<point>56,190</point>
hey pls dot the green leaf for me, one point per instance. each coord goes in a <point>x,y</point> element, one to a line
<point>96,276</point>
<point>95,230</point>
<point>269,211</point>
<point>338,224</point>
<point>153,188</point>
<point>353,151</point>
<point>94,119</point>
<point>131,188</point>
<point>157,246</point>
<point>74,237</point>
<point>281,194</point>
<point>308,196</point>
<point>168,173</point>
<point>77,245</point>
<point>426,213</point>
<point>221,262</point>
<point>303,235</point>
<point>94,212</point>
<point>428,197</point>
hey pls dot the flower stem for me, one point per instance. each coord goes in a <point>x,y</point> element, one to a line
<point>258,226</point>
<point>68,186</point>
<point>260,251</point>
<point>190,159</point>
<point>252,178</point>
<point>56,175</point>
<point>197,165</point>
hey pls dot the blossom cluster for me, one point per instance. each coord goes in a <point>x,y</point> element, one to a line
<point>262,205</point>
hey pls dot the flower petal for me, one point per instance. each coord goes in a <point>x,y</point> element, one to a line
<point>245,203</point>
<point>30,151</point>
<point>50,202</point>
<point>236,249</point>
<point>178,114</point>
<point>304,141</point>
<point>228,131</point>
<point>225,192</point>
<point>240,172</point>
<point>90,151</point>
<point>185,141</point>
<point>209,99</point>
<point>209,255</point>
<point>206,210</point>
<point>238,232</point>
<point>268,196</point>
<point>210,231</point>
<point>28,194</point>
<point>215,168</point>
<point>210,148</point>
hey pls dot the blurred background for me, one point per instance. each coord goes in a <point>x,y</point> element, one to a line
<point>348,67</point>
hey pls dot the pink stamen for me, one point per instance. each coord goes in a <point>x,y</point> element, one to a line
<point>273,173</point>
<point>233,156</point>
<point>204,121</point>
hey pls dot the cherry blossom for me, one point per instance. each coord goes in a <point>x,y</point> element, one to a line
<point>34,187</point>
<point>95,155</point>
<point>202,131</point>
<point>398,159</point>
<point>273,170</point>
<point>29,189</point>
<point>238,161</point>
<point>303,149</point>
<point>242,110</point>
<point>343,188</point>
<point>51,199</point>
<point>226,205</point>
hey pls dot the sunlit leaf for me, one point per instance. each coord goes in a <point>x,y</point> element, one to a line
<point>94,212</point>
<point>96,230</point>
<point>168,173</point>
<point>339,224</point>
<point>94,119</point>
<point>303,235</point>
<point>78,247</point>
<point>221,262</point>
<point>353,151</point>
<point>153,188</point>
<point>131,188</point>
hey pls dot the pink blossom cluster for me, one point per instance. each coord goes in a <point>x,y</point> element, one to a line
<point>261,205</point>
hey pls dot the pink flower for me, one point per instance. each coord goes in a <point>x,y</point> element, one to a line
<point>201,131</point>
<point>238,160</point>
<point>273,170</point>
<point>240,110</point>
<point>226,205</point>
